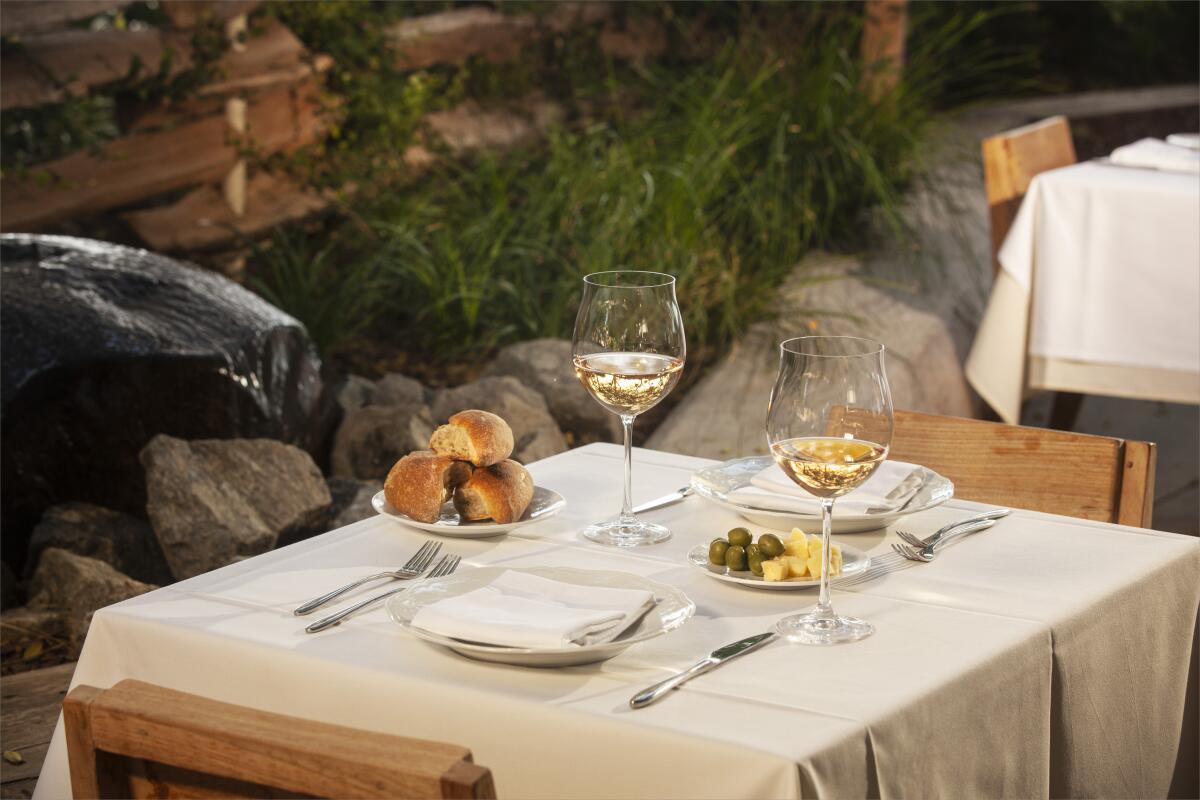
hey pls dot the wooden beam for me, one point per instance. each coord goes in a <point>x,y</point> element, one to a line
<point>884,29</point>
<point>140,166</point>
<point>19,17</point>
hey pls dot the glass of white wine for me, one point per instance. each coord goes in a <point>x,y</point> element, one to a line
<point>829,427</point>
<point>628,351</point>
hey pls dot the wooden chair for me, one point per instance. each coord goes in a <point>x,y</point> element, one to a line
<point>1093,477</point>
<point>140,740</point>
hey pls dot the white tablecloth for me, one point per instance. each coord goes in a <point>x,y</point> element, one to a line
<point>1048,655</point>
<point>1098,292</point>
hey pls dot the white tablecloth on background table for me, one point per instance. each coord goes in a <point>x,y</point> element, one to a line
<point>1048,655</point>
<point>1098,291</point>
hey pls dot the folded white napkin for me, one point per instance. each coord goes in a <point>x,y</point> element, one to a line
<point>771,489</point>
<point>522,610</point>
<point>1157,154</point>
<point>1188,140</point>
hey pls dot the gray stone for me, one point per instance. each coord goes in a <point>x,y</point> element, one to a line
<point>395,389</point>
<point>351,500</point>
<point>79,584</point>
<point>724,415</point>
<point>211,501</point>
<point>535,433</point>
<point>545,366</point>
<point>372,439</point>
<point>353,393</point>
<point>120,540</point>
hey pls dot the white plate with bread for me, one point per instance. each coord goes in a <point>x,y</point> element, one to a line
<point>465,484</point>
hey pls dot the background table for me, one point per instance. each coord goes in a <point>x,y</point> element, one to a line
<point>1046,656</point>
<point>1098,291</point>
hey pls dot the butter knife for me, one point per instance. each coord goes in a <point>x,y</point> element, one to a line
<point>658,691</point>
<point>665,500</point>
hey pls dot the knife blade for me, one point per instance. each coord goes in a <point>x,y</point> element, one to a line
<point>652,694</point>
<point>665,500</point>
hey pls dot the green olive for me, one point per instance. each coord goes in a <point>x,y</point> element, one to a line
<point>755,562</point>
<point>770,545</point>
<point>735,557</point>
<point>752,550</point>
<point>716,552</point>
<point>740,537</point>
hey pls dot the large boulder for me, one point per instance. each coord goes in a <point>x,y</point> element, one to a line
<point>545,365</point>
<point>372,439</point>
<point>122,541</point>
<point>724,415</point>
<point>104,347</point>
<point>79,585</point>
<point>39,637</point>
<point>395,389</point>
<point>535,433</point>
<point>213,502</point>
<point>351,500</point>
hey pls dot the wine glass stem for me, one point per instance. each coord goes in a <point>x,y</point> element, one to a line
<point>627,507</point>
<point>824,607</point>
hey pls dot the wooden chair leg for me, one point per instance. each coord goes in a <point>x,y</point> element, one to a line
<point>1065,410</point>
<point>94,773</point>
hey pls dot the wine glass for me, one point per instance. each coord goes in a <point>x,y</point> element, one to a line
<point>829,427</point>
<point>628,351</point>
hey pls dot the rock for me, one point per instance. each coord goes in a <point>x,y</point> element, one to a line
<point>370,440</point>
<point>79,584</point>
<point>395,389</point>
<point>103,347</point>
<point>124,542</point>
<point>351,500</point>
<point>724,415</point>
<point>545,366</point>
<point>535,433</point>
<point>213,501</point>
<point>353,393</point>
<point>10,593</point>
<point>39,637</point>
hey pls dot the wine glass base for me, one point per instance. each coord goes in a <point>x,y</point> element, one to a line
<point>626,534</point>
<point>822,629</point>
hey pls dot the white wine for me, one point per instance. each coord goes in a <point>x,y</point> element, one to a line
<point>828,467</point>
<point>628,383</point>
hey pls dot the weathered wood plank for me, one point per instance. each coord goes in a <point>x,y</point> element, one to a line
<point>34,755</point>
<point>142,165</point>
<point>202,220</point>
<point>18,789</point>
<point>19,17</point>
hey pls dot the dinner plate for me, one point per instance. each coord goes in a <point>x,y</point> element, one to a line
<point>545,504</point>
<point>854,562</point>
<point>671,609</point>
<point>717,482</point>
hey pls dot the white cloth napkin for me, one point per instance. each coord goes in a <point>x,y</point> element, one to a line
<point>518,609</point>
<point>1157,154</point>
<point>771,489</point>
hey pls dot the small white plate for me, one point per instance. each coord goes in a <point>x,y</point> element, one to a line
<point>854,561</point>
<point>545,504</point>
<point>672,608</point>
<point>717,482</point>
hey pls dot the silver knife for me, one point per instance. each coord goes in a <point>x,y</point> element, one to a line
<point>658,691</point>
<point>665,500</point>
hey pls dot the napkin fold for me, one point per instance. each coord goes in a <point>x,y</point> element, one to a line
<point>1157,154</point>
<point>772,490</point>
<point>518,609</point>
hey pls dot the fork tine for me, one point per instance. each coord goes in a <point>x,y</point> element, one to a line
<point>908,537</point>
<point>906,551</point>
<point>416,558</point>
<point>427,559</point>
<point>447,565</point>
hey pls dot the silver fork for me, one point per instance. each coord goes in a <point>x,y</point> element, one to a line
<point>444,567</point>
<point>927,552</point>
<point>889,562</point>
<point>415,566</point>
<point>995,513</point>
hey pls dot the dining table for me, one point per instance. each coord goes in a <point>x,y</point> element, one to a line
<point>1047,656</point>
<point>1097,292</point>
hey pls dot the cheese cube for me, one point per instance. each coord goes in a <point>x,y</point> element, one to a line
<point>797,545</point>
<point>797,567</point>
<point>774,570</point>
<point>814,566</point>
<point>835,562</point>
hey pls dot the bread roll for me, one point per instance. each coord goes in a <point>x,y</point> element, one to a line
<point>419,483</point>
<point>476,436</point>
<point>501,492</point>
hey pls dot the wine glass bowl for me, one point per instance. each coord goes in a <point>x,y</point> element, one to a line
<point>829,427</point>
<point>628,351</point>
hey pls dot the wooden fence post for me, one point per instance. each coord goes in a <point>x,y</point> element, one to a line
<point>884,29</point>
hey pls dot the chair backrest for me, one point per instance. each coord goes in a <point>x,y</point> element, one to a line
<point>1012,159</point>
<point>141,740</point>
<point>1093,477</point>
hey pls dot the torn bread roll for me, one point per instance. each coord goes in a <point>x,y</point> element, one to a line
<point>419,483</point>
<point>500,492</point>
<point>476,436</point>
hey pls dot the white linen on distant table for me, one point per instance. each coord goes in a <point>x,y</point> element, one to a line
<point>1046,656</point>
<point>1157,154</point>
<point>1098,291</point>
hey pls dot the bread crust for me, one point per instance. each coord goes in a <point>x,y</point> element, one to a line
<point>421,481</point>
<point>500,492</point>
<point>489,440</point>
